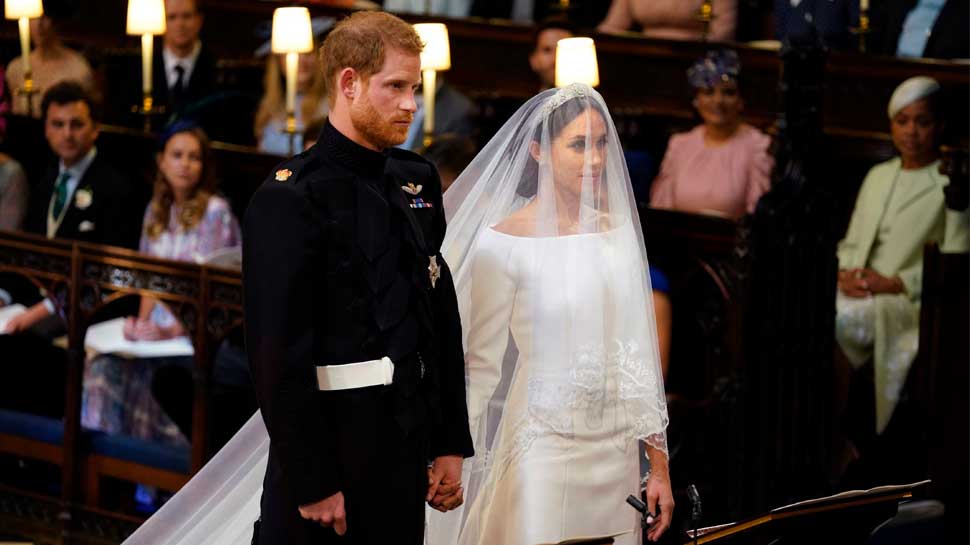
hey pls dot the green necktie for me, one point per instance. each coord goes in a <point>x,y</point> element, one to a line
<point>60,193</point>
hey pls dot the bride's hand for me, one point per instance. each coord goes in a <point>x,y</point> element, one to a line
<point>659,495</point>
<point>444,483</point>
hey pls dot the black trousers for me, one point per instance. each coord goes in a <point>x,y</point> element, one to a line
<point>384,474</point>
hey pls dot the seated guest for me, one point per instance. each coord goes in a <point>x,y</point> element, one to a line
<point>51,62</point>
<point>186,220</point>
<point>13,185</point>
<point>827,20</point>
<point>82,197</point>
<point>450,154</point>
<point>184,69</point>
<point>454,113</point>
<point>722,166</point>
<point>543,56</point>
<point>671,19</point>
<point>935,29</point>
<point>311,101</point>
<point>899,209</point>
<point>584,14</point>
<point>441,8</point>
<point>13,194</point>
<point>13,191</point>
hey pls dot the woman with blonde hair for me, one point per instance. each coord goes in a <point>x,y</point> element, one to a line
<point>311,103</point>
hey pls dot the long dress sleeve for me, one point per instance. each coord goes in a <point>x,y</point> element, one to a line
<point>492,300</point>
<point>14,192</point>
<point>218,228</point>
<point>279,276</point>
<point>956,231</point>
<point>662,190</point>
<point>759,175</point>
<point>850,246</point>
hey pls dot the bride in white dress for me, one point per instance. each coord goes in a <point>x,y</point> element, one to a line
<point>562,366</point>
<point>563,373</point>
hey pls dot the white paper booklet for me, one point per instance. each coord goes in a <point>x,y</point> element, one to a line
<point>885,489</point>
<point>108,338</point>
<point>8,313</point>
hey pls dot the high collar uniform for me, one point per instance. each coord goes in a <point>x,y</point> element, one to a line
<point>336,271</point>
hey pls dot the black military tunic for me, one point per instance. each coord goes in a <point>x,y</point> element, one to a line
<point>336,270</point>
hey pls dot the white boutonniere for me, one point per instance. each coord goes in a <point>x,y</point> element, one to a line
<point>83,198</point>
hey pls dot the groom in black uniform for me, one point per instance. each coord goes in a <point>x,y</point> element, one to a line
<point>352,322</point>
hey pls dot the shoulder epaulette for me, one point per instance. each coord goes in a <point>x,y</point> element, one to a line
<point>289,170</point>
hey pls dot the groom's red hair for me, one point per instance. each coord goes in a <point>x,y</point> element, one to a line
<point>360,42</point>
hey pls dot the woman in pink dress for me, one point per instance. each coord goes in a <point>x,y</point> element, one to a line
<point>671,19</point>
<point>722,166</point>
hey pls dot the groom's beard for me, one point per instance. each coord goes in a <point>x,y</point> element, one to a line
<point>377,129</point>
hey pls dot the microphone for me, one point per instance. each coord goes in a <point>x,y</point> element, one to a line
<point>636,503</point>
<point>695,515</point>
<point>642,508</point>
<point>695,499</point>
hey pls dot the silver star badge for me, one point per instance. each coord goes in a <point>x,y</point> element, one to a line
<point>434,271</point>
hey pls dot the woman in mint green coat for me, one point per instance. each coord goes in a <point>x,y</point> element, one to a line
<point>899,209</point>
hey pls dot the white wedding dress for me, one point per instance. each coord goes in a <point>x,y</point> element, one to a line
<point>566,453</point>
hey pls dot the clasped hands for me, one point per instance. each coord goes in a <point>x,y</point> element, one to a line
<point>144,329</point>
<point>865,282</point>
<point>444,494</point>
<point>444,483</point>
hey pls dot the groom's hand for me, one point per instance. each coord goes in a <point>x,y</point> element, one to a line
<point>444,483</point>
<point>329,513</point>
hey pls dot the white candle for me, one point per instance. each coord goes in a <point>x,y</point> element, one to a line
<point>146,63</point>
<point>863,5</point>
<point>429,89</point>
<point>292,65</point>
<point>25,42</point>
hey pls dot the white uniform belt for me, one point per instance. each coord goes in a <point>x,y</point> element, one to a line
<point>355,375</point>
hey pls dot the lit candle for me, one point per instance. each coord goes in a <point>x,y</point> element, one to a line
<point>146,63</point>
<point>863,5</point>
<point>576,62</point>
<point>435,56</point>
<point>23,11</point>
<point>292,64</point>
<point>429,84</point>
<point>25,42</point>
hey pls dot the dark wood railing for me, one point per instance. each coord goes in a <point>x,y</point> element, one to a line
<point>85,279</point>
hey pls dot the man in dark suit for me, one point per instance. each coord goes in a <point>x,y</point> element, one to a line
<point>184,69</point>
<point>352,322</point>
<point>906,28</point>
<point>82,197</point>
<point>828,21</point>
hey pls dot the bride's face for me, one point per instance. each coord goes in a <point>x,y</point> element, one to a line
<point>572,163</point>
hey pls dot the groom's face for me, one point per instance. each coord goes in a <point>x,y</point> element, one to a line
<point>384,107</point>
